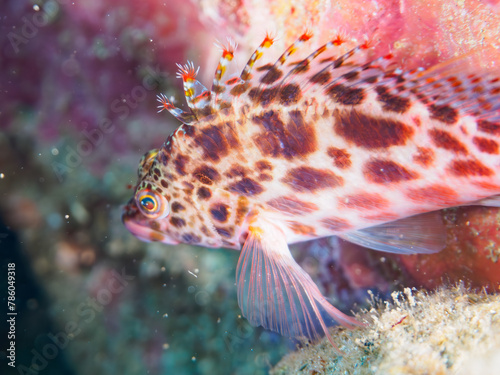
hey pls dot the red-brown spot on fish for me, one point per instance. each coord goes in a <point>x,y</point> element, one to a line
<point>246,186</point>
<point>231,135</point>
<point>321,78</point>
<point>370,132</point>
<point>301,229</point>
<point>213,143</point>
<point>263,165</point>
<point>346,95</point>
<point>434,194</point>
<point>239,89</point>
<point>205,231</point>
<point>191,238</point>
<point>335,224</point>
<point>341,158</point>
<point>424,156</point>
<point>364,201</point>
<point>206,175</point>
<point>307,179</point>
<point>489,127</point>
<point>225,232</point>
<point>156,237</point>
<point>351,76</point>
<point>371,80</point>
<point>188,130</point>
<point>264,177</point>
<point>177,221</point>
<point>445,140</point>
<point>176,207</point>
<point>391,102</point>
<point>204,193</point>
<point>272,75</point>
<point>382,171</point>
<point>236,170</point>
<point>162,157</point>
<point>465,168</point>
<point>216,141</point>
<point>443,113</point>
<point>263,97</point>
<point>264,67</point>
<point>154,225</point>
<point>382,216</point>
<point>290,94</point>
<point>487,185</point>
<point>218,89</point>
<point>220,212</point>
<point>242,209</point>
<point>301,67</point>
<point>486,145</point>
<point>166,149</point>
<point>292,206</point>
<point>296,139</point>
<point>206,110</point>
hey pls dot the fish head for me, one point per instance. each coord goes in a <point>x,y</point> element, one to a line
<point>147,213</point>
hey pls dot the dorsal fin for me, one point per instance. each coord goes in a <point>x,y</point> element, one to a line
<point>454,84</point>
<point>274,72</point>
<point>247,72</point>
<point>306,65</point>
<point>225,74</point>
<point>346,77</point>
<point>186,117</point>
<point>449,87</point>
<point>287,80</point>
<point>240,85</point>
<point>197,95</point>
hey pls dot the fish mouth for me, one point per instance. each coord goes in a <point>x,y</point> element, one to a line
<point>141,228</point>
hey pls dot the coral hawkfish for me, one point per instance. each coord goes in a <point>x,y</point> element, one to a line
<point>313,144</point>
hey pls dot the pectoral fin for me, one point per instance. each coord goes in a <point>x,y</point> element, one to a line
<point>423,233</point>
<point>274,292</point>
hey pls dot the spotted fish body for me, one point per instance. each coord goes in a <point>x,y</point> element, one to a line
<point>323,144</point>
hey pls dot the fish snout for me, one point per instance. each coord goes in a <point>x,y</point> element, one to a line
<point>143,228</point>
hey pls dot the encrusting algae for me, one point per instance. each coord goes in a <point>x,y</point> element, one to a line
<point>451,331</point>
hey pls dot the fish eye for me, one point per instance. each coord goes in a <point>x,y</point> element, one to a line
<point>152,204</point>
<point>149,203</point>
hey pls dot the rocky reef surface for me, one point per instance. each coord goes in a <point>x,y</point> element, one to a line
<point>78,86</point>
<point>450,331</point>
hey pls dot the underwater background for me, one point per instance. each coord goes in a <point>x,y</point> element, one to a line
<point>78,86</point>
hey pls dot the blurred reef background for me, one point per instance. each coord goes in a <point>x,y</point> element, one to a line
<point>78,86</point>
